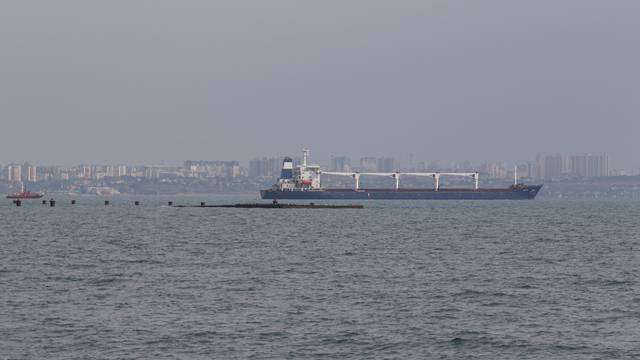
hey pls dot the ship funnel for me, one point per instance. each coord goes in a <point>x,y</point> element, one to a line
<point>287,169</point>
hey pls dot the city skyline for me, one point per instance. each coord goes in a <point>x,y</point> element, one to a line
<point>321,157</point>
<point>547,167</point>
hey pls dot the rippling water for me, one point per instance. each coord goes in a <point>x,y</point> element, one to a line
<point>529,279</point>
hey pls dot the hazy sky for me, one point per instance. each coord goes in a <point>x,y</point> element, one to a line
<point>151,81</point>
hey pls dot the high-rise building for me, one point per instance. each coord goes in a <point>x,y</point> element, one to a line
<point>48,173</point>
<point>589,165</point>
<point>205,169</point>
<point>539,168</point>
<point>552,167</point>
<point>150,172</point>
<point>14,172</point>
<point>121,171</point>
<point>369,164</point>
<point>496,170</point>
<point>85,172</point>
<point>31,173</point>
<point>236,170</point>
<point>265,167</point>
<point>254,168</point>
<point>340,163</point>
<point>524,170</point>
<point>386,165</point>
<point>465,165</point>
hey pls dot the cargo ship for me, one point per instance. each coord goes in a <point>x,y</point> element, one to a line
<point>25,195</point>
<point>303,182</point>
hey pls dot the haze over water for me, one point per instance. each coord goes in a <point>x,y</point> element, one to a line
<point>151,82</point>
<point>527,279</point>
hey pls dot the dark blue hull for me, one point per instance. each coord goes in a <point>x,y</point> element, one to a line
<point>515,193</point>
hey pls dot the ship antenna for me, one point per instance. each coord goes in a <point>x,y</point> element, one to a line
<point>515,175</point>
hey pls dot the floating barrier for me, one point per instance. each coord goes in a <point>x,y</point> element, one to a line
<point>278,206</point>
<point>273,205</point>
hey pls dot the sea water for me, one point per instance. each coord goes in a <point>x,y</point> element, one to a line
<point>417,279</point>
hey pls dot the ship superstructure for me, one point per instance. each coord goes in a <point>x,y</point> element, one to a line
<point>304,182</point>
<point>302,177</point>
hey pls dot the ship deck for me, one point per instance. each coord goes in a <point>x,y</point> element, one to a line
<point>416,190</point>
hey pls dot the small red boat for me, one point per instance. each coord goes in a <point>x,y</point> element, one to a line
<point>24,194</point>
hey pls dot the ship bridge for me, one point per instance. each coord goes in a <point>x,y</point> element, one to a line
<point>397,175</point>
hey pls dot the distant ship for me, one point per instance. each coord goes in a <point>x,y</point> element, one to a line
<point>24,194</point>
<point>303,183</point>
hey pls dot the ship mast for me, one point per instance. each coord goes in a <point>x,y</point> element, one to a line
<point>305,155</point>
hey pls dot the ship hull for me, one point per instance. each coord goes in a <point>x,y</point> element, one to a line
<point>25,197</point>
<point>519,193</point>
